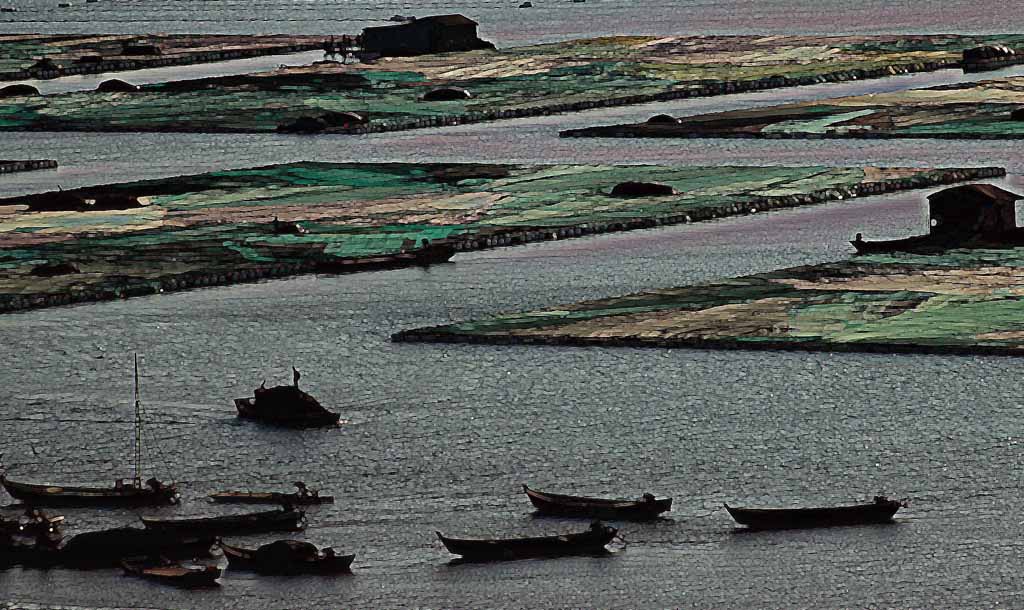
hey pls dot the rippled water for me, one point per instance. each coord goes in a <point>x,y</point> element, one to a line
<point>504,23</point>
<point>440,437</point>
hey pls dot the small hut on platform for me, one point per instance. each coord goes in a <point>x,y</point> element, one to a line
<point>447,94</point>
<point>642,189</point>
<point>18,90</point>
<point>437,34</point>
<point>116,85</point>
<point>972,210</point>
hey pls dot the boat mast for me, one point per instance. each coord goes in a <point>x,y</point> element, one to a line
<point>138,428</point>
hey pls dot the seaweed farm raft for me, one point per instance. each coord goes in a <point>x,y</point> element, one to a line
<point>395,93</point>
<point>10,167</point>
<point>965,301</point>
<point>990,109</point>
<point>227,227</point>
<point>28,56</point>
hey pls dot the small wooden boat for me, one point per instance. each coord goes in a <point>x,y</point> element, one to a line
<point>303,496</point>
<point>881,510</point>
<point>122,493</point>
<point>172,573</point>
<point>34,524</point>
<point>286,520</point>
<point>286,405</point>
<point>436,253</point>
<point>598,508</point>
<point>288,557</point>
<point>589,542</point>
<point>108,547</point>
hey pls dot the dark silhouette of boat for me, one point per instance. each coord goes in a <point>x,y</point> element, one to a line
<point>968,216</point>
<point>597,508</point>
<point>589,542</point>
<point>286,405</point>
<point>881,510</point>
<point>105,548</point>
<point>31,541</point>
<point>170,573</point>
<point>284,519</point>
<point>303,496</point>
<point>288,557</point>
<point>122,493</point>
<point>425,255</point>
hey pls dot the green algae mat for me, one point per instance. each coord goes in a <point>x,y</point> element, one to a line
<point>964,301</point>
<point>980,110</point>
<point>524,81</point>
<point>166,234</point>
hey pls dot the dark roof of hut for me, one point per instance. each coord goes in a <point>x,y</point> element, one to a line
<point>19,89</point>
<point>642,189</point>
<point>449,20</point>
<point>116,85</point>
<point>975,191</point>
<point>446,94</point>
<point>663,119</point>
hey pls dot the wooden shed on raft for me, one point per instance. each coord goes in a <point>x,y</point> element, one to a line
<point>437,34</point>
<point>972,210</point>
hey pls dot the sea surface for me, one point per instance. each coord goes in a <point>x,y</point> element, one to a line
<point>441,437</point>
<point>505,24</point>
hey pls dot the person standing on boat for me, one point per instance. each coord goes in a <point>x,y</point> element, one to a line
<point>295,377</point>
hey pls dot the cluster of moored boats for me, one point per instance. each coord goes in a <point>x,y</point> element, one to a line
<point>154,550</point>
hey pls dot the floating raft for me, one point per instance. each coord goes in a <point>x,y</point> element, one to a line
<point>144,238</point>
<point>991,109</point>
<point>960,302</point>
<point>10,167</point>
<point>45,56</point>
<point>392,93</point>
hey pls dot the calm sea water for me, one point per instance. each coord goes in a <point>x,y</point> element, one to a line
<point>504,23</point>
<point>440,437</point>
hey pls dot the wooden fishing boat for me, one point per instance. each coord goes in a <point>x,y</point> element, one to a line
<point>598,508</point>
<point>304,496</point>
<point>284,519</point>
<point>287,406</point>
<point>436,253</point>
<point>108,547</point>
<point>589,542</point>
<point>288,557</point>
<point>122,493</point>
<point>881,510</point>
<point>172,573</point>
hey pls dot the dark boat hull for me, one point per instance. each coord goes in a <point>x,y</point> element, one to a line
<point>108,547</point>
<point>245,559</point>
<point>591,542</point>
<point>782,518</point>
<point>56,495</point>
<point>422,257</point>
<point>240,497</point>
<point>925,244</point>
<point>247,409</point>
<point>190,578</point>
<point>269,521</point>
<point>596,508</point>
